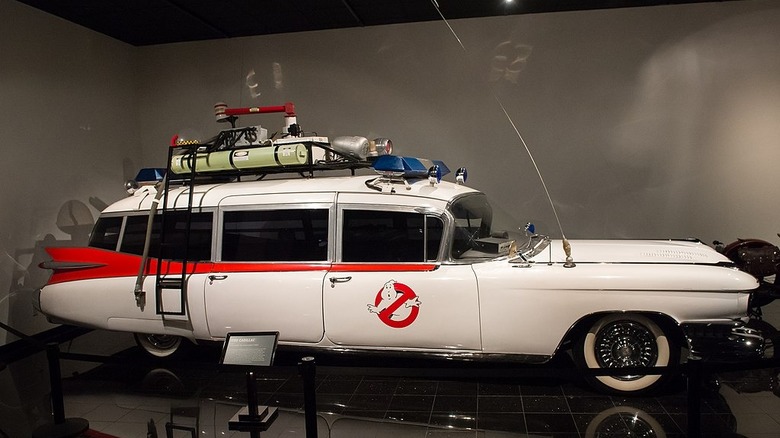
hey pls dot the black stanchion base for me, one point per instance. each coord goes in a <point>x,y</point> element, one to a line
<point>72,427</point>
<point>243,421</point>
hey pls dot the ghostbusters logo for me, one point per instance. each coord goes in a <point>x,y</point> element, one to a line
<point>396,304</point>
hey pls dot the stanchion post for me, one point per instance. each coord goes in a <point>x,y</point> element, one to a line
<point>307,370</point>
<point>251,393</point>
<point>55,379</point>
<point>251,400</point>
<point>694,396</point>
<point>61,428</point>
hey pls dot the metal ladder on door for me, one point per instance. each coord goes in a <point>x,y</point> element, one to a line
<point>171,273</point>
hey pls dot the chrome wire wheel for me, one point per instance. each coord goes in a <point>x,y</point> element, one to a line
<point>624,421</point>
<point>626,340</point>
<point>158,345</point>
<point>623,344</point>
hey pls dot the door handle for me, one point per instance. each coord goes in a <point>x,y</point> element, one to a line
<point>334,280</point>
<point>216,277</point>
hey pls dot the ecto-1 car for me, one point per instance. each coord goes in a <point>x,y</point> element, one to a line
<point>389,260</point>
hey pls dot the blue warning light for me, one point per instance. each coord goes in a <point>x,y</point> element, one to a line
<point>149,175</point>
<point>409,167</point>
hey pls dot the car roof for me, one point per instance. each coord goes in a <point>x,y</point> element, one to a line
<point>210,195</point>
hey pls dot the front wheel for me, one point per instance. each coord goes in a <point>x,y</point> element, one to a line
<point>626,340</point>
<point>158,345</point>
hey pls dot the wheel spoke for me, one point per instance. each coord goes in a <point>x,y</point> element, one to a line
<point>623,344</point>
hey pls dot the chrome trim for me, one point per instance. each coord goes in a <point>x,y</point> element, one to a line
<point>725,341</point>
<point>531,249</point>
<point>219,220</point>
<point>36,300</point>
<point>462,356</point>
<point>428,211</point>
<point>51,264</point>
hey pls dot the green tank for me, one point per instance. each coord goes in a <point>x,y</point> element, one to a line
<point>242,159</point>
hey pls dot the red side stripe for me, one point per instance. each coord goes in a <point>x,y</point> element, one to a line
<point>111,264</point>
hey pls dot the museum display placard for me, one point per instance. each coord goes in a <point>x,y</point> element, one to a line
<point>250,349</point>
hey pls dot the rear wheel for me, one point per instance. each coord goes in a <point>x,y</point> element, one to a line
<point>158,345</point>
<point>626,340</point>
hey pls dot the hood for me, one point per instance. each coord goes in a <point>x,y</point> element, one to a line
<point>634,251</point>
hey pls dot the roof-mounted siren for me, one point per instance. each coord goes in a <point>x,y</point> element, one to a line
<point>361,148</point>
<point>291,127</point>
<point>434,174</point>
<point>461,175</point>
<point>379,147</point>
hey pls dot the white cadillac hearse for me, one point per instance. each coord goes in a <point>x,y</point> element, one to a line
<point>393,261</point>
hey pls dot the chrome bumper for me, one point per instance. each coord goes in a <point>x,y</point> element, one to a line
<point>724,342</point>
<point>36,300</point>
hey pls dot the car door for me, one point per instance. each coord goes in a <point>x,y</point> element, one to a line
<point>388,288</point>
<point>272,262</point>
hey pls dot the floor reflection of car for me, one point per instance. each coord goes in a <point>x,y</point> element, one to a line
<point>195,393</point>
<point>209,416</point>
<point>395,262</point>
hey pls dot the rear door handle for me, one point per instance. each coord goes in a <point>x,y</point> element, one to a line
<point>334,280</point>
<point>212,278</point>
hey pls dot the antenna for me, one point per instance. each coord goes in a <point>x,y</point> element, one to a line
<point>566,245</point>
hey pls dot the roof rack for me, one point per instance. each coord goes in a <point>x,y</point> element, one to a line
<point>236,152</point>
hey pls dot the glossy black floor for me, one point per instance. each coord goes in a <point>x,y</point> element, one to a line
<point>132,396</point>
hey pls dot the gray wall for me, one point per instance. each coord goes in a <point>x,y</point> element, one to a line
<point>646,122</point>
<point>68,129</point>
<point>651,122</point>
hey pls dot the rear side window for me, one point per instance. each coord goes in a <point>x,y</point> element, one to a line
<point>294,235</point>
<point>176,247</point>
<point>390,236</point>
<point>105,235</point>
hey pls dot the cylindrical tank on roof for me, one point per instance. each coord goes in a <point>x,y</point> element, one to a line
<point>242,159</point>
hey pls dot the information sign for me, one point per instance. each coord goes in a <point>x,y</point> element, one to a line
<point>254,349</point>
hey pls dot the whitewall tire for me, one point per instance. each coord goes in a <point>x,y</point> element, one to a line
<point>626,340</point>
<point>159,345</point>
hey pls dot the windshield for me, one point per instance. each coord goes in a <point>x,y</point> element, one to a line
<point>480,234</point>
<point>473,219</point>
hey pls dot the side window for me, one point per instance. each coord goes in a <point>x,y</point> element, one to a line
<point>390,236</point>
<point>105,235</point>
<point>175,236</point>
<point>295,235</point>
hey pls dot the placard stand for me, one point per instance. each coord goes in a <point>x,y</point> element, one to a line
<point>249,351</point>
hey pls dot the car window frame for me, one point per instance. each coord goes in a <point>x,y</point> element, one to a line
<point>220,222</point>
<point>424,211</point>
<point>145,214</point>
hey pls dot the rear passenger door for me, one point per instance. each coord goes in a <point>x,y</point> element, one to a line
<point>388,288</point>
<point>272,260</point>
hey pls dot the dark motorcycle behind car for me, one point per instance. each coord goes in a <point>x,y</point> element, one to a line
<point>759,258</point>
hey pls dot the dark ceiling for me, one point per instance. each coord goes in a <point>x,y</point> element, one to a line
<point>146,22</point>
